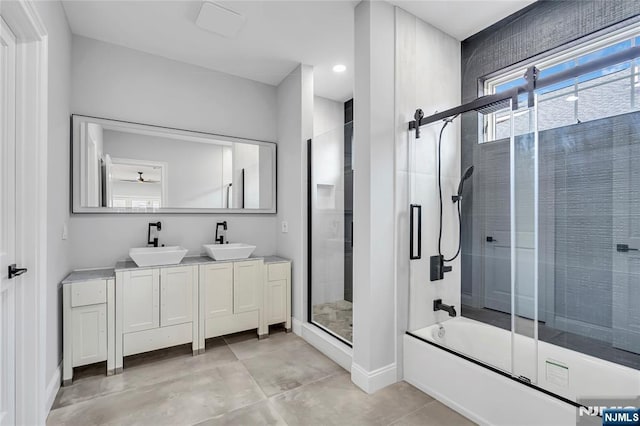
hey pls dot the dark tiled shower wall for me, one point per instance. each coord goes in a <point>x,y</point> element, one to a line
<point>581,225</point>
<point>579,184</point>
<point>542,27</point>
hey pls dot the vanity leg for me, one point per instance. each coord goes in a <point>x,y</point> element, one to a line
<point>111,332</point>
<point>263,336</point>
<point>67,351</point>
<point>117,349</point>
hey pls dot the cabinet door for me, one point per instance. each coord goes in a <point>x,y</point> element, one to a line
<point>275,301</point>
<point>247,286</point>
<point>140,300</point>
<point>176,295</point>
<point>217,285</point>
<point>89,324</point>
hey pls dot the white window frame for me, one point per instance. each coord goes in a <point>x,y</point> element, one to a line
<point>492,82</point>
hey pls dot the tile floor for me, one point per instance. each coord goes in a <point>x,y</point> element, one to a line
<point>337,317</point>
<point>239,381</point>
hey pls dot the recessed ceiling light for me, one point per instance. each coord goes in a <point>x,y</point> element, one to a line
<point>339,68</point>
<point>572,98</point>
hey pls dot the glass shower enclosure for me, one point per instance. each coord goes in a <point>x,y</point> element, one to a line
<point>330,229</point>
<point>547,284</point>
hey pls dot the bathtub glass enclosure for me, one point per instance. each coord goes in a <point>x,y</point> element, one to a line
<point>548,279</point>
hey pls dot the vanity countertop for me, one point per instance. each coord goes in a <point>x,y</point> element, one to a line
<point>80,275</point>
<point>89,275</point>
<point>129,264</point>
<point>275,259</point>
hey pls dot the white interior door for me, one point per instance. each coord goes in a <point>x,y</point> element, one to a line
<point>7,224</point>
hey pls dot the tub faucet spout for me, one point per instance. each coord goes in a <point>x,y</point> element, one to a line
<point>439,306</point>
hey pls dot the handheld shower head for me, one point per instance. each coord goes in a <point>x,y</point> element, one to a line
<point>467,174</point>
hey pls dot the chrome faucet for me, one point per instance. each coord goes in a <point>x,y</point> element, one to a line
<point>220,239</point>
<point>158,227</point>
<point>439,306</point>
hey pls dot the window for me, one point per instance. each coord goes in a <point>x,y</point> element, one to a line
<point>609,91</point>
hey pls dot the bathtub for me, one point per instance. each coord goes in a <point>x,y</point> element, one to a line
<point>485,395</point>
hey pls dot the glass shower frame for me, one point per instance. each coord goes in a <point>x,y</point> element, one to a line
<point>330,230</point>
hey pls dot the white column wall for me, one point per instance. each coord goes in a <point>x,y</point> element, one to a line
<point>374,329</point>
<point>295,127</point>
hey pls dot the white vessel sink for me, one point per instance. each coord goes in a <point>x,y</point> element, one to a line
<point>229,251</point>
<point>156,256</point>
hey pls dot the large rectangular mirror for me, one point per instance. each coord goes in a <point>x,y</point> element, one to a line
<point>124,167</point>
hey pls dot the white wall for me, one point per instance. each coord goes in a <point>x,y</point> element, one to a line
<point>427,77</point>
<point>295,127</point>
<point>327,115</point>
<point>374,310</point>
<point>116,82</point>
<point>328,195</point>
<point>59,44</point>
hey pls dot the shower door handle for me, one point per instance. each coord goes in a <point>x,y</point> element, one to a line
<point>624,248</point>
<point>490,239</point>
<point>416,249</point>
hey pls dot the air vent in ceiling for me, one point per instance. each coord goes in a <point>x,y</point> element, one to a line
<point>219,20</point>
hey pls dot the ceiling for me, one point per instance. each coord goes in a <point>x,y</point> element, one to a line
<point>127,172</point>
<point>462,18</point>
<point>276,37</point>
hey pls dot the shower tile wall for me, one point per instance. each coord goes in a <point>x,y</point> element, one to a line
<point>422,53</point>
<point>577,215</point>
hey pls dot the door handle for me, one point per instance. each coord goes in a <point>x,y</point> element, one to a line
<point>14,271</point>
<point>624,248</point>
<point>415,213</point>
<point>491,240</point>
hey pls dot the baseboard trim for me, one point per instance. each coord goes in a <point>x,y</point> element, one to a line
<point>297,326</point>
<point>52,389</point>
<point>331,347</point>
<point>373,381</point>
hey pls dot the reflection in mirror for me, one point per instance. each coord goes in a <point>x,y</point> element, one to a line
<point>127,167</point>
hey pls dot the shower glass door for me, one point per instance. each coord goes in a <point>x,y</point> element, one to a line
<point>330,224</point>
<point>498,229</point>
<point>524,241</point>
<point>590,211</point>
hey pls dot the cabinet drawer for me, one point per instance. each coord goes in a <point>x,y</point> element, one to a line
<point>88,293</point>
<point>278,271</point>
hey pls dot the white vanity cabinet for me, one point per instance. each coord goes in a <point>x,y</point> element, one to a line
<point>231,298</point>
<point>88,318</point>
<point>277,293</point>
<point>155,308</point>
